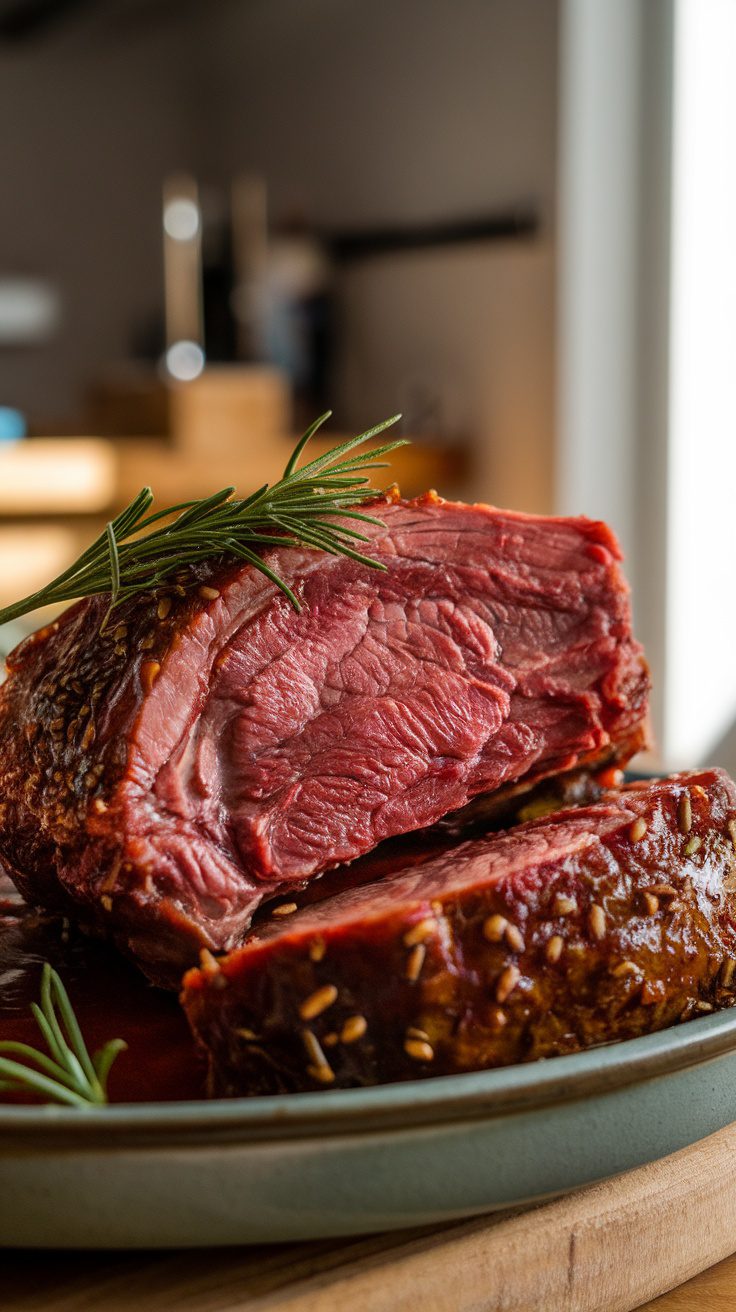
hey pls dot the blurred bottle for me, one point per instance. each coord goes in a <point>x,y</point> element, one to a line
<point>282,298</point>
<point>238,293</point>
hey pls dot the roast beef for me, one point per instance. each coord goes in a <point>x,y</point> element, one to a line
<point>163,775</point>
<point>593,924</point>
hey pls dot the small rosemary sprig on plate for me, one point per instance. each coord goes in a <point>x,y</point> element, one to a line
<point>68,1074</point>
<point>309,505</point>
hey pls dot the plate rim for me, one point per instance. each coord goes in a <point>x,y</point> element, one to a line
<point>432,1101</point>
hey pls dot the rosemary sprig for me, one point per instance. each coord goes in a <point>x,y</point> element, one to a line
<point>68,1075</point>
<point>309,505</point>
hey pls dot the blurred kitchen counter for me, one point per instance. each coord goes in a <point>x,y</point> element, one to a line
<point>62,477</point>
<point>233,425</point>
<point>57,494</point>
<point>176,476</point>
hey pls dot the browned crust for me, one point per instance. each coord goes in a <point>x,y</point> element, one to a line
<point>633,939</point>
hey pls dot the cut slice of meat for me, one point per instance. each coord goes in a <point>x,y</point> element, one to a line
<point>213,747</point>
<point>593,924</point>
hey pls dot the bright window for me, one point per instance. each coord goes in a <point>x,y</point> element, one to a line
<point>701,611</point>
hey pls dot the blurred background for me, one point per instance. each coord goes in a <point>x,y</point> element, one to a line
<point>511,220</point>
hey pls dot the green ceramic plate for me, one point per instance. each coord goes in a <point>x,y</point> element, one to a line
<point>347,1162</point>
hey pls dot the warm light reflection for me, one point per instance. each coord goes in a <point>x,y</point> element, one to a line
<point>57,477</point>
<point>29,557</point>
<point>181,219</point>
<point>185,361</point>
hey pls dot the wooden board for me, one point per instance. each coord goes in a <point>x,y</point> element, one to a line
<point>609,1248</point>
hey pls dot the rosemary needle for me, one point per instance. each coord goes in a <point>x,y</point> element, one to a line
<point>68,1074</point>
<point>310,504</point>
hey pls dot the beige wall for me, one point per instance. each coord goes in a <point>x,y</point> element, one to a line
<point>473,327</point>
<point>402,112</point>
<point>370,110</point>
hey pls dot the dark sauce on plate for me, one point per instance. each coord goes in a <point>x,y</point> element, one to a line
<point>110,997</point>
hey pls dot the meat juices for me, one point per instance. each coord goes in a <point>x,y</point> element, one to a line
<point>590,925</point>
<point>212,748</point>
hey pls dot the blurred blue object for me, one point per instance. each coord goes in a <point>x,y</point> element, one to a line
<point>12,424</point>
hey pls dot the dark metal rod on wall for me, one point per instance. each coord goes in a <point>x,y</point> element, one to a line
<point>519,224</point>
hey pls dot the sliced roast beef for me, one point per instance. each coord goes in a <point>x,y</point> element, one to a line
<point>165,774</point>
<point>593,924</point>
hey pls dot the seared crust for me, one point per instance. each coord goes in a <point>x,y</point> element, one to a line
<point>591,925</point>
<point>67,709</point>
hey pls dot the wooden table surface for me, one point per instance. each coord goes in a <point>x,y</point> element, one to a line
<point>713,1290</point>
<point>220,1283</point>
<point>612,1247</point>
<point>226,1282</point>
